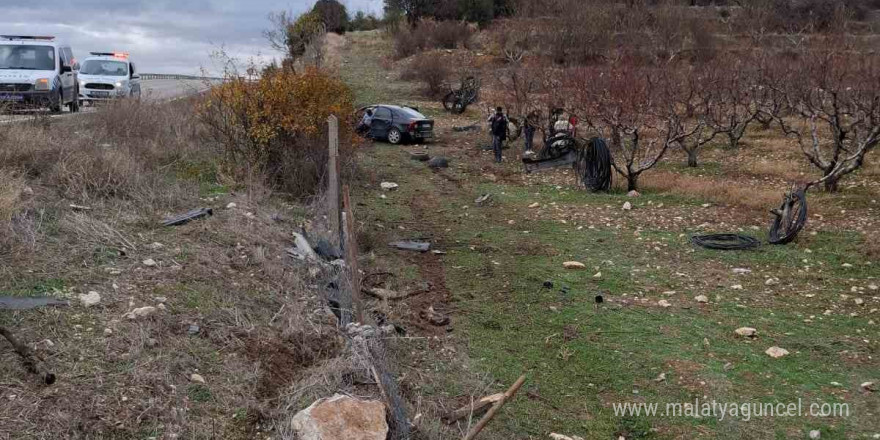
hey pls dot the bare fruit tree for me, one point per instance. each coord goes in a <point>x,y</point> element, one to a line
<point>834,103</point>
<point>639,110</point>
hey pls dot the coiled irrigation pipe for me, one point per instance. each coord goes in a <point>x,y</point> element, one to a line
<point>726,242</point>
<point>594,165</point>
<point>790,218</point>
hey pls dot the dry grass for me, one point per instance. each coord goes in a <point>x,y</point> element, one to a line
<point>714,190</point>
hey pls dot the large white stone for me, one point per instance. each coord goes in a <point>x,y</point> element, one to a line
<point>341,418</point>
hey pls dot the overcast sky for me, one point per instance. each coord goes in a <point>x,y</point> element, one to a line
<point>162,36</point>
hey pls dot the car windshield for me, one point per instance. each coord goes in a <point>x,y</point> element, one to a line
<point>104,68</point>
<point>18,57</point>
<point>410,113</point>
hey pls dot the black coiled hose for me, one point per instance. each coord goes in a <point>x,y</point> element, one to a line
<point>726,242</point>
<point>790,218</point>
<point>594,165</point>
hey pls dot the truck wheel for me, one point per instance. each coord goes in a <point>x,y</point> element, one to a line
<point>74,105</point>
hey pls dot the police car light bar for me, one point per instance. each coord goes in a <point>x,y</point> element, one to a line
<point>28,37</point>
<point>110,54</point>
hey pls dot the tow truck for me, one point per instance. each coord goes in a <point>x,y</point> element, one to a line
<point>104,76</point>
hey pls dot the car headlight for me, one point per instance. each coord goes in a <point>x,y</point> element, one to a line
<point>119,85</point>
<point>42,84</point>
<point>82,84</point>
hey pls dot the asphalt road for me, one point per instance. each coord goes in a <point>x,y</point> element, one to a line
<point>152,90</point>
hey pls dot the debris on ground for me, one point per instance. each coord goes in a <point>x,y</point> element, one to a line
<point>741,271</point>
<point>90,299</point>
<point>188,217</point>
<point>197,378</point>
<point>419,156</point>
<point>483,199</point>
<point>389,186</point>
<point>701,299</point>
<point>149,262</point>
<point>746,332</point>
<point>435,318</point>
<point>141,312</point>
<point>660,378</point>
<point>627,206</point>
<point>633,193</point>
<point>80,208</point>
<point>534,205</point>
<point>495,408</point>
<point>438,162</point>
<point>327,251</point>
<point>341,417</point>
<point>26,303</point>
<point>231,205</point>
<point>554,436</point>
<point>478,407</point>
<point>663,303</point>
<point>815,434</point>
<point>776,352</point>
<point>303,249</point>
<point>867,386</point>
<point>418,246</point>
<point>474,127</point>
<point>574,265</point>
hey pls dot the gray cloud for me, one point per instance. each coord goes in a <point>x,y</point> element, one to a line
<point>162,36</point>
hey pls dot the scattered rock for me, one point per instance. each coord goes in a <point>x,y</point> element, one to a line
<point>555,436</point>
<point>663,303</point>
<point>575,265</point>
<point>418,246</point>
<point>303,247</point>
<point>231,205</point>
<point>149,262</point>
<point>90,299</point>
<point>434,317</point>
<point>815,434</point>
<point>598,275</point>
<point>389,186</point>
<point>702,299</point>
<point>341,418</point>
<point>846,265</point>
<point>534,205</point>
<point>771,281</point>
<point>483,199</point>
<point>741,271</point>
<point>438,162</point>
<point>633,193</point>
<point>155,245</point>
<point>747,332</point>
<point>776,352</point>
<point>660,378</point>
<point>152,343</point>
<point>193,329</point>
<point>108,332</point>
<point>197,378</point>
<point>867,387</point>
<point>141,312</point>
<point>859,301</point>
<point>627,206</point>
<point>737,287</point>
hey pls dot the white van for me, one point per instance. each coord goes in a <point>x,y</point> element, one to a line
<point>37,72</point>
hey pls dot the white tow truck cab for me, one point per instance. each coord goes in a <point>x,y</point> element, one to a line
<point>37,71</point>
<point>108,75</point>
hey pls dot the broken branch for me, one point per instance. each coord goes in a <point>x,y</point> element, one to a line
<point>495,408</point>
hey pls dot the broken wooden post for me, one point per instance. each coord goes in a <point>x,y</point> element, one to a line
<point>333,211</point>
<point>30,361</point>
<point>474,408</point>
<point>495,408</point>
<point>351,254</point>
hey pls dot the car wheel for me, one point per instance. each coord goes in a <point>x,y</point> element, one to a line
<point>56,103</point>
<point>394,136</point>
<point>75,104</point>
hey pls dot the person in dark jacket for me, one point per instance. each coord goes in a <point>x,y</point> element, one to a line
<point>498,126</point>
<point>529,125</point>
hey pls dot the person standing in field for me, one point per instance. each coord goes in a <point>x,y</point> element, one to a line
<point>498,126</point>
<point>529,132</point>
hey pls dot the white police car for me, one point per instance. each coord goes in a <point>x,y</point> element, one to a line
<point>37,72</point>
<point>108,75</point>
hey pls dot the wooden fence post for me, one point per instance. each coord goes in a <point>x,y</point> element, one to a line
<point>333,211</point>
<point>351,258</point>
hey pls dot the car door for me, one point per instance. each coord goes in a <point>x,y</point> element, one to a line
<point>135,79</point>
<point>381,122</point>
<point>68,83</point>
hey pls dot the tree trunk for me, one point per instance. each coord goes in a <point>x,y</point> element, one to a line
<point>692,158</point>
<point>733,141</point>
<point>632,182</point>
<point>831,185</point>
